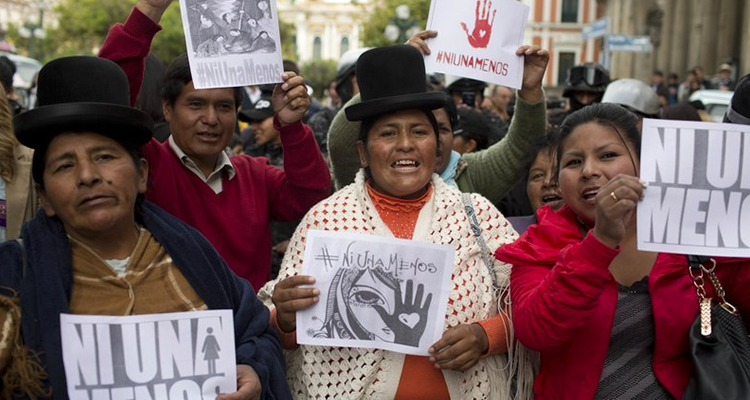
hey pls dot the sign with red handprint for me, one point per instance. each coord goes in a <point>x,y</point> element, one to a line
<point>480,35</point>
<point>478,39</point>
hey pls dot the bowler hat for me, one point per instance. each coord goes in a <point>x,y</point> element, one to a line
<point>738,111</point>
<point>392,78</point>
<point>82,93</point>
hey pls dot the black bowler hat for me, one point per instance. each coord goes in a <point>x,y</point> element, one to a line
<point>390,79</point>
<point>82,93</point>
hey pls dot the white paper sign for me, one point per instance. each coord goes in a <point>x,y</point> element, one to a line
<point>232,42</point>
<point>376,292</point>
<point>478,39</point>
<point>154,356</point>
<point>698,198</point>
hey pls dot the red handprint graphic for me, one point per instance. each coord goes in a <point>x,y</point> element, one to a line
<point>480,37</point>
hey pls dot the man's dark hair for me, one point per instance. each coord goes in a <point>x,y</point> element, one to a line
<point>178,75</point>
<point>658,73</point>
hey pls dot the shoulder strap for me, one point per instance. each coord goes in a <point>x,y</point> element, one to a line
<point>23,256</point>
<point>477,230</point>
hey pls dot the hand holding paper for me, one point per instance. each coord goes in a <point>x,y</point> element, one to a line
<point>248,385</point>
<point>153,9</point>
<point>615,206</point>
<point>418,41</point>
<point>460,347</point>
<point>290,99</point>
<point>289,298</point>
<point>534,66</point>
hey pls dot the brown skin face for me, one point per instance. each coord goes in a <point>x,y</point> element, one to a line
<point>446,139</point>
<point>539,187</point>
<point>91,183</point>
<point>264,132</point>
<point>591,156</point>
<point>400,152</point>
<point>202,123</point>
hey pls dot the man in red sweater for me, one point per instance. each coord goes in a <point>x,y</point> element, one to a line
<point>231,200</point>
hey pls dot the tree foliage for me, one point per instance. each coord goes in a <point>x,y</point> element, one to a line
<point>287,32</point>
<point>319,73</point>
<point>377,20</point>
<point>83,25</point>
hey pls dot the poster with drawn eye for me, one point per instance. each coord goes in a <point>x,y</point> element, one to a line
<point>154,356</point>
<point>232,42</point>
<point>698,195</point>
<point>478,39</point>
<point>375,292</point>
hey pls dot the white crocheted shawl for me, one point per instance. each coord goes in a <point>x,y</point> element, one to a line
<point>317,372</point>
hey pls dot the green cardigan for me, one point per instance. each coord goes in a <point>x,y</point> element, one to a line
<point>491,172</point>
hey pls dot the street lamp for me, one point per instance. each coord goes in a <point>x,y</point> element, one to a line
<point>401,27</point>
<point>33,30</point>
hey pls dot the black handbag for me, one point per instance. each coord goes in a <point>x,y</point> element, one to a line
<point>719,344</point>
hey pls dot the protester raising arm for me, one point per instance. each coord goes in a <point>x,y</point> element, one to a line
<point>494,171</point>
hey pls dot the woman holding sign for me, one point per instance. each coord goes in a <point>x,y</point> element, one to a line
<point>397,194</point>
<point>97,248</point>
<point>610,321</point>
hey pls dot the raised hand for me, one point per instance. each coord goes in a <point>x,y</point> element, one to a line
<point>615,206</point>
<point>418,41</point>
<point>409,318</point>
<point>479,38</point>
<point>534,65</point>
<point>290,99</point>
<point>153,9</point>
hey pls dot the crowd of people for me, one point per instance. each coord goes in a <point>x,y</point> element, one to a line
<point>112,205</point>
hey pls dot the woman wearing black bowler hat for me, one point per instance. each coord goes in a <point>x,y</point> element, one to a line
<point>97,248</point>
<point>397,193</point>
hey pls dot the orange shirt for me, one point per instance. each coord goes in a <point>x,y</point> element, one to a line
<point>419,377</point>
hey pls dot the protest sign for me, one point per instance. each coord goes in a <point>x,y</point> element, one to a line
<point>232,42</point>
<point>698,195</point>
<point>478,39</point>
<point>147,357</point>
<point>376,292</point>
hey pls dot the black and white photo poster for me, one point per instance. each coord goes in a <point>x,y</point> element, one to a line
<point>171,356</point>
<point>232,42</point>
<point>375,292</point>
<point>698,195</point>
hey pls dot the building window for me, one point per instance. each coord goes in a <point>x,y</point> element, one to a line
<point>565,61</point>
<point>317,48</point>
<point>344,45</point>
<point>569,11</point>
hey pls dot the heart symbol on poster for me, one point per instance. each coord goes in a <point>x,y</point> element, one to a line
<point>409,320</point>
<point>482,33</point>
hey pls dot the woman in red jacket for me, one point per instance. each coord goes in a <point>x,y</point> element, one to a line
<point>610,321</point>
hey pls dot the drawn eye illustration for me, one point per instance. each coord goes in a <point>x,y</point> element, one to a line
<point>366,296</point>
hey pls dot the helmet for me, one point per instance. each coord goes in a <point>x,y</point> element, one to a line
<point>634,95</point>
<point>345,69</point>
<point>586,77</point>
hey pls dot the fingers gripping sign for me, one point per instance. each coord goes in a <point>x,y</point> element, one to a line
<point>480,37</point>
<point>289,298</point>
<point>290,99</point>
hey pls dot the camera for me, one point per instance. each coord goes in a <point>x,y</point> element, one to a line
<point>469,98</point>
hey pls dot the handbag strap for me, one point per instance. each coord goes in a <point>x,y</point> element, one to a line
<point>698,270</point>
<point>477,230</point>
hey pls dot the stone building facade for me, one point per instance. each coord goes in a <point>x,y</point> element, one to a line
<point>684,33</point>
<point>325,29</point>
